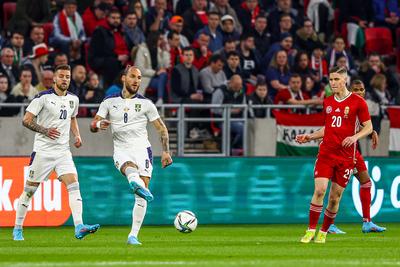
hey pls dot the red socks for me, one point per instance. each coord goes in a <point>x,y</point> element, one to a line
<point>329,218</point>
<point>315,211</point>
<point>365,196</point>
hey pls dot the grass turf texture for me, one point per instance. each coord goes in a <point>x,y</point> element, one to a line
<point>254,245</point>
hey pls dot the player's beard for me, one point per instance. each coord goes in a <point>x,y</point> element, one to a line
<point>62,86</point>
<point>132,89</point>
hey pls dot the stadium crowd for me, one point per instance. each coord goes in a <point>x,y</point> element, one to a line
<point>199,51</point>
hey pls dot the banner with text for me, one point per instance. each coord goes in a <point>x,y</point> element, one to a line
<point>218,190</point>
<point>394,134</point>
<point>289,125</point>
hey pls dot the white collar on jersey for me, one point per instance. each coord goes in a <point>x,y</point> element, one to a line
<point>343,99</point>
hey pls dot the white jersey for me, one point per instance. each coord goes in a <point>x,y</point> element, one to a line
<point>129,119</point>
<point>52,110</point>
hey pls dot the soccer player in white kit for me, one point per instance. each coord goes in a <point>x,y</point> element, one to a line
<point>128,113</point>
<point>52,115</point>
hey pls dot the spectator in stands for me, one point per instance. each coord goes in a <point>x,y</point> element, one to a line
<point>213,31</point>
<point>374,65</point>
<point>116,86</point>
<point>321,14</point>
<point>153,60</point>
<point>60,59</point>
<point>47,80</point>
<point>29,14</point>
<point>78,80</point>
<point>157,16</point>
<point>228,29</point>
<point>194,19</point>
<point>185,80</point>
<point>376,98</point>
<point>137,7</point>
<point>232,65</point>
<point>94,16</point>
<point>36,37</point>
<point>94,94</point>
<point>173,39</point>
<point>247,13</point>
<point>36,61</point>
<point>306,38</point>
<point>286,43</point>
<point>229,46</point>
<point>68,34</point>
<point>7,67</point>
<point>285,26</point>
<point>201,52</point>
<point>176,24</point>
<point>212,76</point>
<point>302,66</point>
<point>278,73</point>
<point>310,88</point>
<point>232,93</point>
<point>292,95</point>
<point>223,8</point>
<point>319,63</point>
<point>387,14</point>
<point>3,88</point>
<point>262,38</point>
<point>108,52</point>
<point>249,58</point>
<point>24,90</point>
<point>16,44</point>
<point>259,97</point>
<point>284,6</point>
<point>338,48</point>
<point>133,34</point>
<point>341,62</point>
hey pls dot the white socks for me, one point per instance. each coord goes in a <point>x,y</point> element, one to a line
<point>139,211</point>
<point>23,205</point>
<point>75,202</point>
<point>132,175</point>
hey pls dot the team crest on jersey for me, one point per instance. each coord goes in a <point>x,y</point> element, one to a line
<point>328,109</point>
<point>346,112</point>
<point>138,107</point>
<point>71,104</point>
<point>126,109</point>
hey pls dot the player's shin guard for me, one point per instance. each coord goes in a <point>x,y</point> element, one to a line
<point>365,197</point>
<point>329,218</point>
<point>315,212</point>
<point>23,205</point>
<point>139,211</point>
<point>75,202</point>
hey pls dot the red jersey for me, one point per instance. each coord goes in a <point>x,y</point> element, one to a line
<point>342,119</point>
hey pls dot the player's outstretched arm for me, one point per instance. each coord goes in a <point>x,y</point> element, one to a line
<point>166,159</point>
<point>365,131</point>
<point>305,138</point>
<point>29,121</point>
<point>75,132</point>
<point>99,123</point>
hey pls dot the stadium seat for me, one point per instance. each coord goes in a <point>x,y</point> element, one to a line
<point>48,30</point>
<point>378,40</point>
<point>398,49</point>
<point>8,11</point>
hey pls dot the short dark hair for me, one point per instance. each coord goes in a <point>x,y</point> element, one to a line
<point>295,75</point>
<point>187,48</point>
<point>232,54</point>
<point>24,68</point>
<point>17,32</point>
<point>284,15</point>
<point>215,58</point>
<point>114,10</point>
<point>261,16</point>
<point>171,34</point>
<point>356,82</point>
<point>62,67</point>
<point>339,70</point>
<point>214,13</point>
<point>229,40</point>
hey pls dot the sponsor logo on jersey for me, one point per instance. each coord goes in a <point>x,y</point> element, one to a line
<point>71,104</point>
<point>328,109</point>
<point>49,206</point>
<point>346,112</point>
<point>138,107</point>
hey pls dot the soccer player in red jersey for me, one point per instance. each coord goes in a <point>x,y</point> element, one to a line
<point>361,173</point>
<point>344,112</point>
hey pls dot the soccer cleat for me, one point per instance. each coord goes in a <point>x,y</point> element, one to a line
<point>308,236</point>
<point>141,191</point>
<point>321,237</point>
<point>133,240</point>
<point>334,230</point>
<point>369,227</point>
<point>82,230</point>
<point>17,235</point>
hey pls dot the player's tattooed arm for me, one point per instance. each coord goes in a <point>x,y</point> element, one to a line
<point>99,123</point>
<point>166,159</point>
<point>29,121</point>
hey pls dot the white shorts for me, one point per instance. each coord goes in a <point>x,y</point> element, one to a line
<point>41,166</point>
<point>142,157</point>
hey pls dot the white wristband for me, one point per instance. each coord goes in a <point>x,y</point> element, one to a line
<point>98,124</point>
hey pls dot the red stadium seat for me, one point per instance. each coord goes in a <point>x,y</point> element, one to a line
<point>378,40</point>
<point>8,11</point>
<point>48,30</point>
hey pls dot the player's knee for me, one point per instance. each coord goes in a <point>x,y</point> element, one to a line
<point>319,192</point>
<point>334,200</point>
<point>128,167</point>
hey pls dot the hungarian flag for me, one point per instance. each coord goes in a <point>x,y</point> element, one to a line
<point>289,125</point>
<point>394,139</point>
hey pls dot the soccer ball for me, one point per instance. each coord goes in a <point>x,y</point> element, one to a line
<point>185,221</point>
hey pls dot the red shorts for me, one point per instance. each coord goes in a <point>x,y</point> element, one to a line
<point>360,163</point>
<point>339,171</point>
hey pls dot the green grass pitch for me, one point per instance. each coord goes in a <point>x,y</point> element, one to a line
<point>239,245</point>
